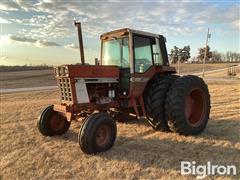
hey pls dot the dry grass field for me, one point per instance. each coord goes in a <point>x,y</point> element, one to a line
<point>139,151</point>
<point>37,78</point>
<point>197,68</point>
<point>25,79</point>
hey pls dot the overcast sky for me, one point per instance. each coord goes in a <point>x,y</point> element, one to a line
<point>42,31</point>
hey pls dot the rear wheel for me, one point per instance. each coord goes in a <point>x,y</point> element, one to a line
<point>188,105</point>
<point>97,133</point>
<point>52,123</point>
<point>155,98</point>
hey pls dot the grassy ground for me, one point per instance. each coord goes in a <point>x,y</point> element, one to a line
<point>37,78</point>
<point>196,68</point>
<point>139,151</point>
<point>24,79</point>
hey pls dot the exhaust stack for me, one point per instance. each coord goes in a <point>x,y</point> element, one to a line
<point>78,25</point>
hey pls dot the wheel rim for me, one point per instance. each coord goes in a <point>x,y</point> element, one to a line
<point>57,122</point>
<point>195,107</point>
<point>103,135</point>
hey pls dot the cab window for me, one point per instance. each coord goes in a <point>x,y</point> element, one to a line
<point>142,53</point>
<point>157,55</point>
<point>116,52</point>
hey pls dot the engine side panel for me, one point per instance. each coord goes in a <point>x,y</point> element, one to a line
<point>86,71</point>
<point>81,91</point>
<point>80,84</point>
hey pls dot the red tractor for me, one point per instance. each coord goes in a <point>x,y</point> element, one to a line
<point>133,75</point>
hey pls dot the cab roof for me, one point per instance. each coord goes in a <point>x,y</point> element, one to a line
<point>126,31</point>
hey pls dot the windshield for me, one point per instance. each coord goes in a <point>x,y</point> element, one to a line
<point>116,52</point>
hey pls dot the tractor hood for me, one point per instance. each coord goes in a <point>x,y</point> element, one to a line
<point>86,71</point>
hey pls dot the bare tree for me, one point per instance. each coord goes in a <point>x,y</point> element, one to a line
<point>232,56</point>
<point>174,55</point>
<point>183,53</point>
<point>216,57</point>
<point>201,52</point>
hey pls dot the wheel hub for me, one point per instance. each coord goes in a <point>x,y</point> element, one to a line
<point>195,107</point>
<point>57,122</point>
<point>103,135</point>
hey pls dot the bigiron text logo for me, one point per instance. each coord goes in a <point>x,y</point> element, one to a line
<point>208,169</point>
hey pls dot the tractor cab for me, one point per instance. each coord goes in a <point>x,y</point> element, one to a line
<point>136,50</point>
<point>135,53</point>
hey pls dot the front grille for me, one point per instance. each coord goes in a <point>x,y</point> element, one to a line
<point>65,89</point>
<point>61,71</point>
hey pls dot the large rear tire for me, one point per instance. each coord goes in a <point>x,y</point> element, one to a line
<point>52,123</point>
<point>155,97</point>
<point>188,105</point>
<point>97,133</point>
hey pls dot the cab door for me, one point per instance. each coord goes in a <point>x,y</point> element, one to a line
<point>146,57</point>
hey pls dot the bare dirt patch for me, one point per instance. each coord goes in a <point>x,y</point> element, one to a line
<point>139,151</point>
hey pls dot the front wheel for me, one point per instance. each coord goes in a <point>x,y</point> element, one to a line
<point>97,133</point>
<point>51,122</point>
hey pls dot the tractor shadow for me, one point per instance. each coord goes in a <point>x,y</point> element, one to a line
<point>149,150</point>
<point>217,130</point>
<point>167,154</point>
<point>72,133</point>
<point>222,130</point>
<point>133,120</point>
<point>71,136</point>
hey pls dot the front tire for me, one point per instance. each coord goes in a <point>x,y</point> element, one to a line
<point>97,133</point>
<point>51,122</point>
<point>188,105</point>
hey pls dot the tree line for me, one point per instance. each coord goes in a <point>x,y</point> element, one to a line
<point>4,68</point>
<point>183,55</point>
